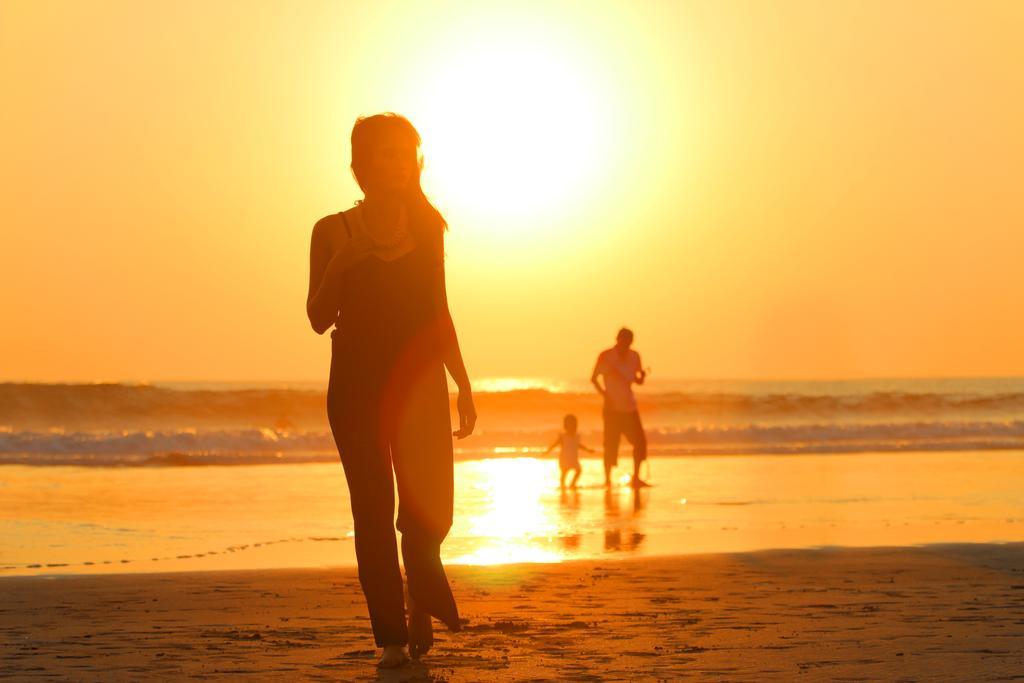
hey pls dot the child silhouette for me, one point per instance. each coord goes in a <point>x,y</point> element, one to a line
<point>569,455</point>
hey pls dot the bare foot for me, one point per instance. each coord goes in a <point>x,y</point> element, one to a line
<point>421,631</point>
<point>394,656</point>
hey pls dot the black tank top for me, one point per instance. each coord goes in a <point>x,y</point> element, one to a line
<point>386,307</point>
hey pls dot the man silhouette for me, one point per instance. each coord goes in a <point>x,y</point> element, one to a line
<point>620,368</point>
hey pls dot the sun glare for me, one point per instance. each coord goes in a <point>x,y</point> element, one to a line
<point>502,384</point>
<point>514,524</point>
<point>514,127</point>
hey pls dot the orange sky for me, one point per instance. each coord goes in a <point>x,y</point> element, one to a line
<point>761,190</point>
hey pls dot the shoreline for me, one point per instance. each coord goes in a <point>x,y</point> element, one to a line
<point>944,611</point>
<point>186,459</point>
<point>1011,546</point>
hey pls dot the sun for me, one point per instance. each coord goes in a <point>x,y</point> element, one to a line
<point>516,126</point>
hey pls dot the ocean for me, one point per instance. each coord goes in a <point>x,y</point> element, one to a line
<point>182,424</point>
<point>167,477</point>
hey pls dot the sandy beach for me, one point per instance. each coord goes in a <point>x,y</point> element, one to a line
<point>953,612</point>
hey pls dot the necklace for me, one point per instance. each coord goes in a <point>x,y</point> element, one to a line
<point>388,238</point>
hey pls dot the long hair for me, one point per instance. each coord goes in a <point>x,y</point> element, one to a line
<point>368,132</point>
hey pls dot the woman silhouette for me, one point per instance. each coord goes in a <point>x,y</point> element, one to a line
<point>377,275</point>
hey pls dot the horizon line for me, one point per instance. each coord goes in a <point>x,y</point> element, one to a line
<point>532,379</point>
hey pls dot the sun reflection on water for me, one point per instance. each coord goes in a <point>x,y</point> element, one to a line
<point>499,384</point>
<point>512,522</point>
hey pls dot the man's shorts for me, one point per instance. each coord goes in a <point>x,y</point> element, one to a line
<point>617,424</point>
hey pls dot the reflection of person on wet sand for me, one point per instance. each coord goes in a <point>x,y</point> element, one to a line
<point>569,454</point>
<point>617,537</point>
<point>620,368</point>
<point>569,502</point>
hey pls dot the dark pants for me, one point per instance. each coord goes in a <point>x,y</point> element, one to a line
<point>618,424</point>
<point>383,430</point>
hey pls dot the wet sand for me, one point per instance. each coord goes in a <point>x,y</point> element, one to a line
<point>73,520</point>
<point>936,613</point>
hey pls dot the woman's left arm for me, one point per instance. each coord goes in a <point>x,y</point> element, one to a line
<point>452,356</point>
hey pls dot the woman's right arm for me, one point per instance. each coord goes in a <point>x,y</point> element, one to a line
<point>325,270</point>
